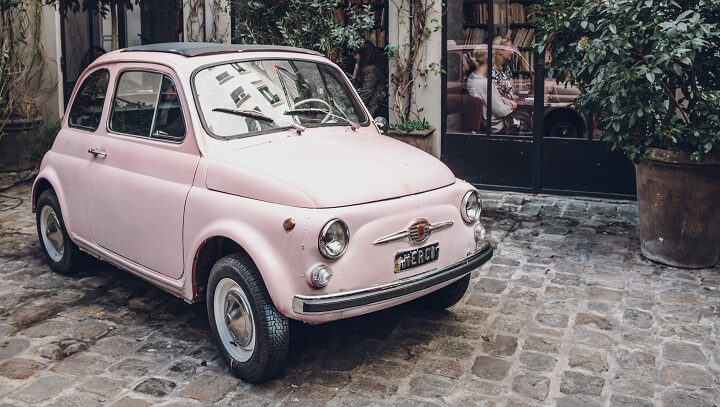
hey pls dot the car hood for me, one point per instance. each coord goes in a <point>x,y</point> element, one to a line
<point>326,170</point>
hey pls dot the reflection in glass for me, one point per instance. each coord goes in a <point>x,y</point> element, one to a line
<point>228,95</point>
<point>493,46</point>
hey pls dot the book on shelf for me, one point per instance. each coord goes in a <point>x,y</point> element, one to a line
<point>521,37</point>
<point>477,13</point>
<point>474,36</point>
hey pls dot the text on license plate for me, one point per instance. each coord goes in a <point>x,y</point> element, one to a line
<point>416,257</point>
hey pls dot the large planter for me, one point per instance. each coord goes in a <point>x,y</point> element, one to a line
<point>679,210</point>
<point>419,138</point>
<point>17,144</point>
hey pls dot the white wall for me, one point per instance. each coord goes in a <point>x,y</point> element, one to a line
<point>428,90</point>
<point>132,18</point>
<point>52,105</point>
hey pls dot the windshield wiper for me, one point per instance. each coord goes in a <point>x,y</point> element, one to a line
<point>254,114</point>
<point>314,110</point>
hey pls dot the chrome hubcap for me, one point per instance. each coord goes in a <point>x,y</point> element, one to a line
<point>234,320</point>
<point>51,233</point>
<point>238,319</point>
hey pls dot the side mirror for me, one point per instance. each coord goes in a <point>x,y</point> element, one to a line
<point>382,124</point>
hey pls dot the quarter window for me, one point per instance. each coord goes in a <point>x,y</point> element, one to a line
<point>147,104</point>
<point>88,104</point>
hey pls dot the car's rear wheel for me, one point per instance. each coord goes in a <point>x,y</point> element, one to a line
<point>447,296</point>
<point>251,334</point>
<point>61,253</point>
<point>564,128</point>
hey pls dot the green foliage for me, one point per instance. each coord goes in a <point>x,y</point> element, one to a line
<point>101,7</point>
<point>648,68</point>
<point>311,24</point>
<point>45,139</point>
<point>410,125</point>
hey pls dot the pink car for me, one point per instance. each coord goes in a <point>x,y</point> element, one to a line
<point>254,178</point>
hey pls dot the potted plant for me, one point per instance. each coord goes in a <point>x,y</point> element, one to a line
<point>649,70</point>
<point>21,67</point>
<point>414,132</point>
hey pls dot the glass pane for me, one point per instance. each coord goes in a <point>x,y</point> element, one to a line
<point>169,122</point>
<point>88,104</point>
<point>231,94</point>
<point>490,67</point>
<point>512,62</point>
<point>561,120</point>
<point>134,105</point>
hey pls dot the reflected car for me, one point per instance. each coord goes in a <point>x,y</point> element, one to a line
<point>251,178</point>
<point>560,119</point>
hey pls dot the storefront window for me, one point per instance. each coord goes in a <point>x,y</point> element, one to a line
<point>490,67</point>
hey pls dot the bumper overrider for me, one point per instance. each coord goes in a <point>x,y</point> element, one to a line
<point>328,303</point>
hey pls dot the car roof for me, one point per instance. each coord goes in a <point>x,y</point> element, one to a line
<point>196,49</point>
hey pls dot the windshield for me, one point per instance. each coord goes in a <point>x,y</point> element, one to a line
<point>240,99</point>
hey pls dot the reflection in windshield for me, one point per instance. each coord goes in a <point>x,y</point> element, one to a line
<point>271,88</point>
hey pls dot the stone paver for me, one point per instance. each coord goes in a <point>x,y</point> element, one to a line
<point>567,313</point>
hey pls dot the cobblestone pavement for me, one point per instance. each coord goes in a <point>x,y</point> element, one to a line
<point>567,314</point>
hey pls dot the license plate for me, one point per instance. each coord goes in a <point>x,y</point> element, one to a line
<point>416,257</point>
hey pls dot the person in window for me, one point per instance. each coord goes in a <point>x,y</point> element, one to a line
<point>478,87</point>
<point>501,73</point>
<point>169,121</point>
<point>369,77</point>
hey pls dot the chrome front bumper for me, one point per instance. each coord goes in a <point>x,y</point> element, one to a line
<point>343,301</point>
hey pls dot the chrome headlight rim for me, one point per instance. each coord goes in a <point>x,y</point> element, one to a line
<point>463,209</point>
<point>322,247</point>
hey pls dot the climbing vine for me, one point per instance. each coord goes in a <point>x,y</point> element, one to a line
<point>415,27</point>
<point>22,60</point>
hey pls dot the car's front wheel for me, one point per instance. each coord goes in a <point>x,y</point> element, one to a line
<point>251,334</point>
<point>447,296</point>
<point>60,252</point>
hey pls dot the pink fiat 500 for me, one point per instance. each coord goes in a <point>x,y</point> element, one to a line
<point>254,178</point>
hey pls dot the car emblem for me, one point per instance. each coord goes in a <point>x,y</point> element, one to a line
<point>417,232</point>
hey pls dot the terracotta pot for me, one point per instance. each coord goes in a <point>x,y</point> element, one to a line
<point>678,209</point>
<point>17,143</point>
<point>418,138</point>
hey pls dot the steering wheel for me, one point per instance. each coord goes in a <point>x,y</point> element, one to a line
<point>322,102</point>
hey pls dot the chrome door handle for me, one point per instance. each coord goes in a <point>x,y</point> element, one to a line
<point>97,152</point>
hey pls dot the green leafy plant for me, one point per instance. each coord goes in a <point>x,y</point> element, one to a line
<point>45,139</point>
<point>649,69</point>
<point>410,125</point>
<point>101,7</point>
<point>311,24</point>
<point>22,60</point>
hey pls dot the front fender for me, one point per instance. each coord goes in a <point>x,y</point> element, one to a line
<point>210,214</point>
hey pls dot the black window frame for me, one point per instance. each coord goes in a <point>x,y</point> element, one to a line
<point>152,126</point>
<point>102,110</point>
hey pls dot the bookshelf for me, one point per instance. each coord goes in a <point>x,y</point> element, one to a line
<point>510,18</point>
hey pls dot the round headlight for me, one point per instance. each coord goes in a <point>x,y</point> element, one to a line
<point>470,206</point>
<point>334,239</point>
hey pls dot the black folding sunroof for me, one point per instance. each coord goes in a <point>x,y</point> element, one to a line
<point>195,49</point>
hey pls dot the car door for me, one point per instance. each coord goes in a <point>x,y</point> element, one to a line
<point>143,170</point>
<point>70,156</point>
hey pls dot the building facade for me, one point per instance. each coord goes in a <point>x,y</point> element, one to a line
<point>533,141</point>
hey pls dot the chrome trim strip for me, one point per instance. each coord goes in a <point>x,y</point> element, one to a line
<point>395,289</point>
<point>404,233</point>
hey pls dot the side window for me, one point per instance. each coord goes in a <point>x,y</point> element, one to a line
<point>146,104</point>
<point>88,104</point>
<point>135,100</point>
<point>169,122</point>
